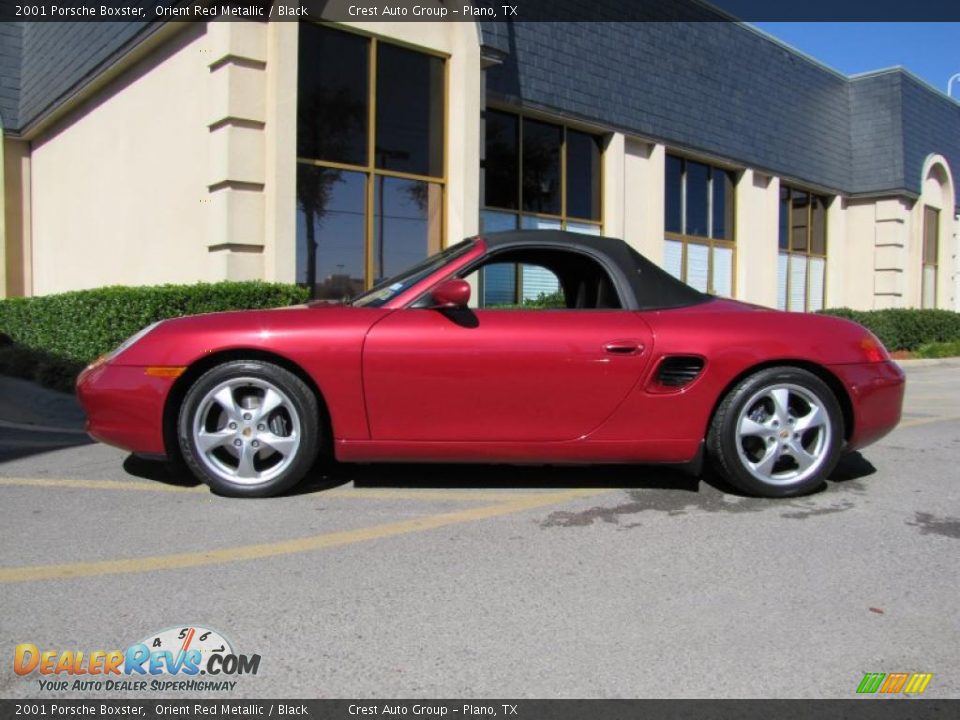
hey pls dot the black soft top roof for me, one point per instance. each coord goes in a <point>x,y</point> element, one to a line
<point>651,287</point>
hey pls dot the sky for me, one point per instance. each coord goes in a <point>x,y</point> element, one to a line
<point>929,50</point>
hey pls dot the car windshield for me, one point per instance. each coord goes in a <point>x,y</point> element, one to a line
<point>385,290</point>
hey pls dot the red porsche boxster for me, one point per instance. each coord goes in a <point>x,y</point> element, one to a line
<point>519,347</point>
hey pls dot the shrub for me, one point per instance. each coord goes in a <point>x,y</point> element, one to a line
<point>903,328</point>
<point>84,324</point>
<point>939,349</point>
<point>53,336</point>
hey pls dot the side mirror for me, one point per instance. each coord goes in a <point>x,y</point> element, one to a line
<point>451,294</point>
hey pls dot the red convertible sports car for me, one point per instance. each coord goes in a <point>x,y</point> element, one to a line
<point>454,360</point>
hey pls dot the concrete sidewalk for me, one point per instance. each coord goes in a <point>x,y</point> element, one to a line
<point>24,404</point>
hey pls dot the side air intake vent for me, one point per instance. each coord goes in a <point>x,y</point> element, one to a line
<point>679,370</point>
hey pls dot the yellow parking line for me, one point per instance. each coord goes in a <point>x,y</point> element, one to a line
<point>345,493</point>
<point>100,485</point>
<point>391,494</point>
<point>926,421</point>
<point>285,547</point>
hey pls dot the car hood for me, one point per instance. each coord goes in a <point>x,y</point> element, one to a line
<point>179,341</point>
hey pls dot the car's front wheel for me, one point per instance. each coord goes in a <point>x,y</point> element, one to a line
<point>249,428</point>
<point>778,433</point>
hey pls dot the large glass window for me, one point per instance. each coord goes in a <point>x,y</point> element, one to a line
<point>330,231</point>
<point>370,184</point>
<point>539,175</point>
<point>931,250</point>
<point>802,262</point>
<point>699,224</point>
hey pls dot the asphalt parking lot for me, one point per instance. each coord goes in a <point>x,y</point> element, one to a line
<point>450,582</point>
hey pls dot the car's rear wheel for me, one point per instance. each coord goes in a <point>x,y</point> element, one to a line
<point>249,429</point>
<point>778,433</point>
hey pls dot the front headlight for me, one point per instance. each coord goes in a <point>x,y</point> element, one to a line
<point>129,342</point>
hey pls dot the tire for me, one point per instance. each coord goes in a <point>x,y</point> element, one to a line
<point>778,433</point>
<point>240,448</point>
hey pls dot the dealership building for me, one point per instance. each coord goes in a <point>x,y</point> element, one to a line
<point>335,153</point>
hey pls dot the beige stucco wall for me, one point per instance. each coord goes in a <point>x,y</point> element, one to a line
<point>118,186</point>
<point>937,191</point>
<point>756,217</point>
<point>644,166</point>
<point>16,217</point>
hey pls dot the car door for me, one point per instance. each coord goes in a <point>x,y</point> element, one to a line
<point>500,374</point>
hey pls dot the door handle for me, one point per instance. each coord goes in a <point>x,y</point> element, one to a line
<point>623,347</point>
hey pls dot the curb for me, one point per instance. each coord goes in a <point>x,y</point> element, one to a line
<point>928,362</point>
<point>53,429</point>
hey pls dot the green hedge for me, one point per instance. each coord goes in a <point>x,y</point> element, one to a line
<point>905,329</point>
<point>53,334</point>
<point>947,349</point>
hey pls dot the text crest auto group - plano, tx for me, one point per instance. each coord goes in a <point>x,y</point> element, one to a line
<point>428,12</point>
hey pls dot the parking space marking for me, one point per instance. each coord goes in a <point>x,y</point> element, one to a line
<point>78,484</point>
<point>287,547</point>
<point>342,493</point>
<point>926,421</point>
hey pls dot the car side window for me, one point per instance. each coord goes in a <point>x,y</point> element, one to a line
<point>542,280</point>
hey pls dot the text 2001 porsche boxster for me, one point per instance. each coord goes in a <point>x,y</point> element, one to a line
<point>447,362</point>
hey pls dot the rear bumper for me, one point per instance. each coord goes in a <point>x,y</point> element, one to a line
<point>124,407</point>
<point>876,394</point>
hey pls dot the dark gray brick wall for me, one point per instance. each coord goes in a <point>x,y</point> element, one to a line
<point>876,133</point>
<point>931,124</point>
<point>10,53</point>
<point>58,56</point>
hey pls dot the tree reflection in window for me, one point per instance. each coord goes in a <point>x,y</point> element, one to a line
<point>330,231</point>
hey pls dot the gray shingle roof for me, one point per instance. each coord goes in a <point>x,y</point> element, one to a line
<point>10,52</point>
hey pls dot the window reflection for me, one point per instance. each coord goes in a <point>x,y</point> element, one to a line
<point>407,223</point>
<point>722,208</point>
<point>583,175</point>
<point>332,96</point>
<point>698,175</point>
<point>541,167</point>
<point>501,161</point>
<point>492,221</point>
<point>798,220</point>
<point>674,194</point>
<point>330,231</point>
<point>818,227</point>
<point>784,218</point>
<point>409,111</point>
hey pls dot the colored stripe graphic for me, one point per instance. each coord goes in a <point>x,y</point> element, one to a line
<point>871,682</point>
<point>894,683</point>
<point>908,683</point>
<point>918,683</point>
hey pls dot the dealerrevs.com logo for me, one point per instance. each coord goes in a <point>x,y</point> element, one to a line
<point>189,658</point>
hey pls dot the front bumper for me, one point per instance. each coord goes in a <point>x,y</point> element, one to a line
<point>876,394</point>
<point>124,407</point>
